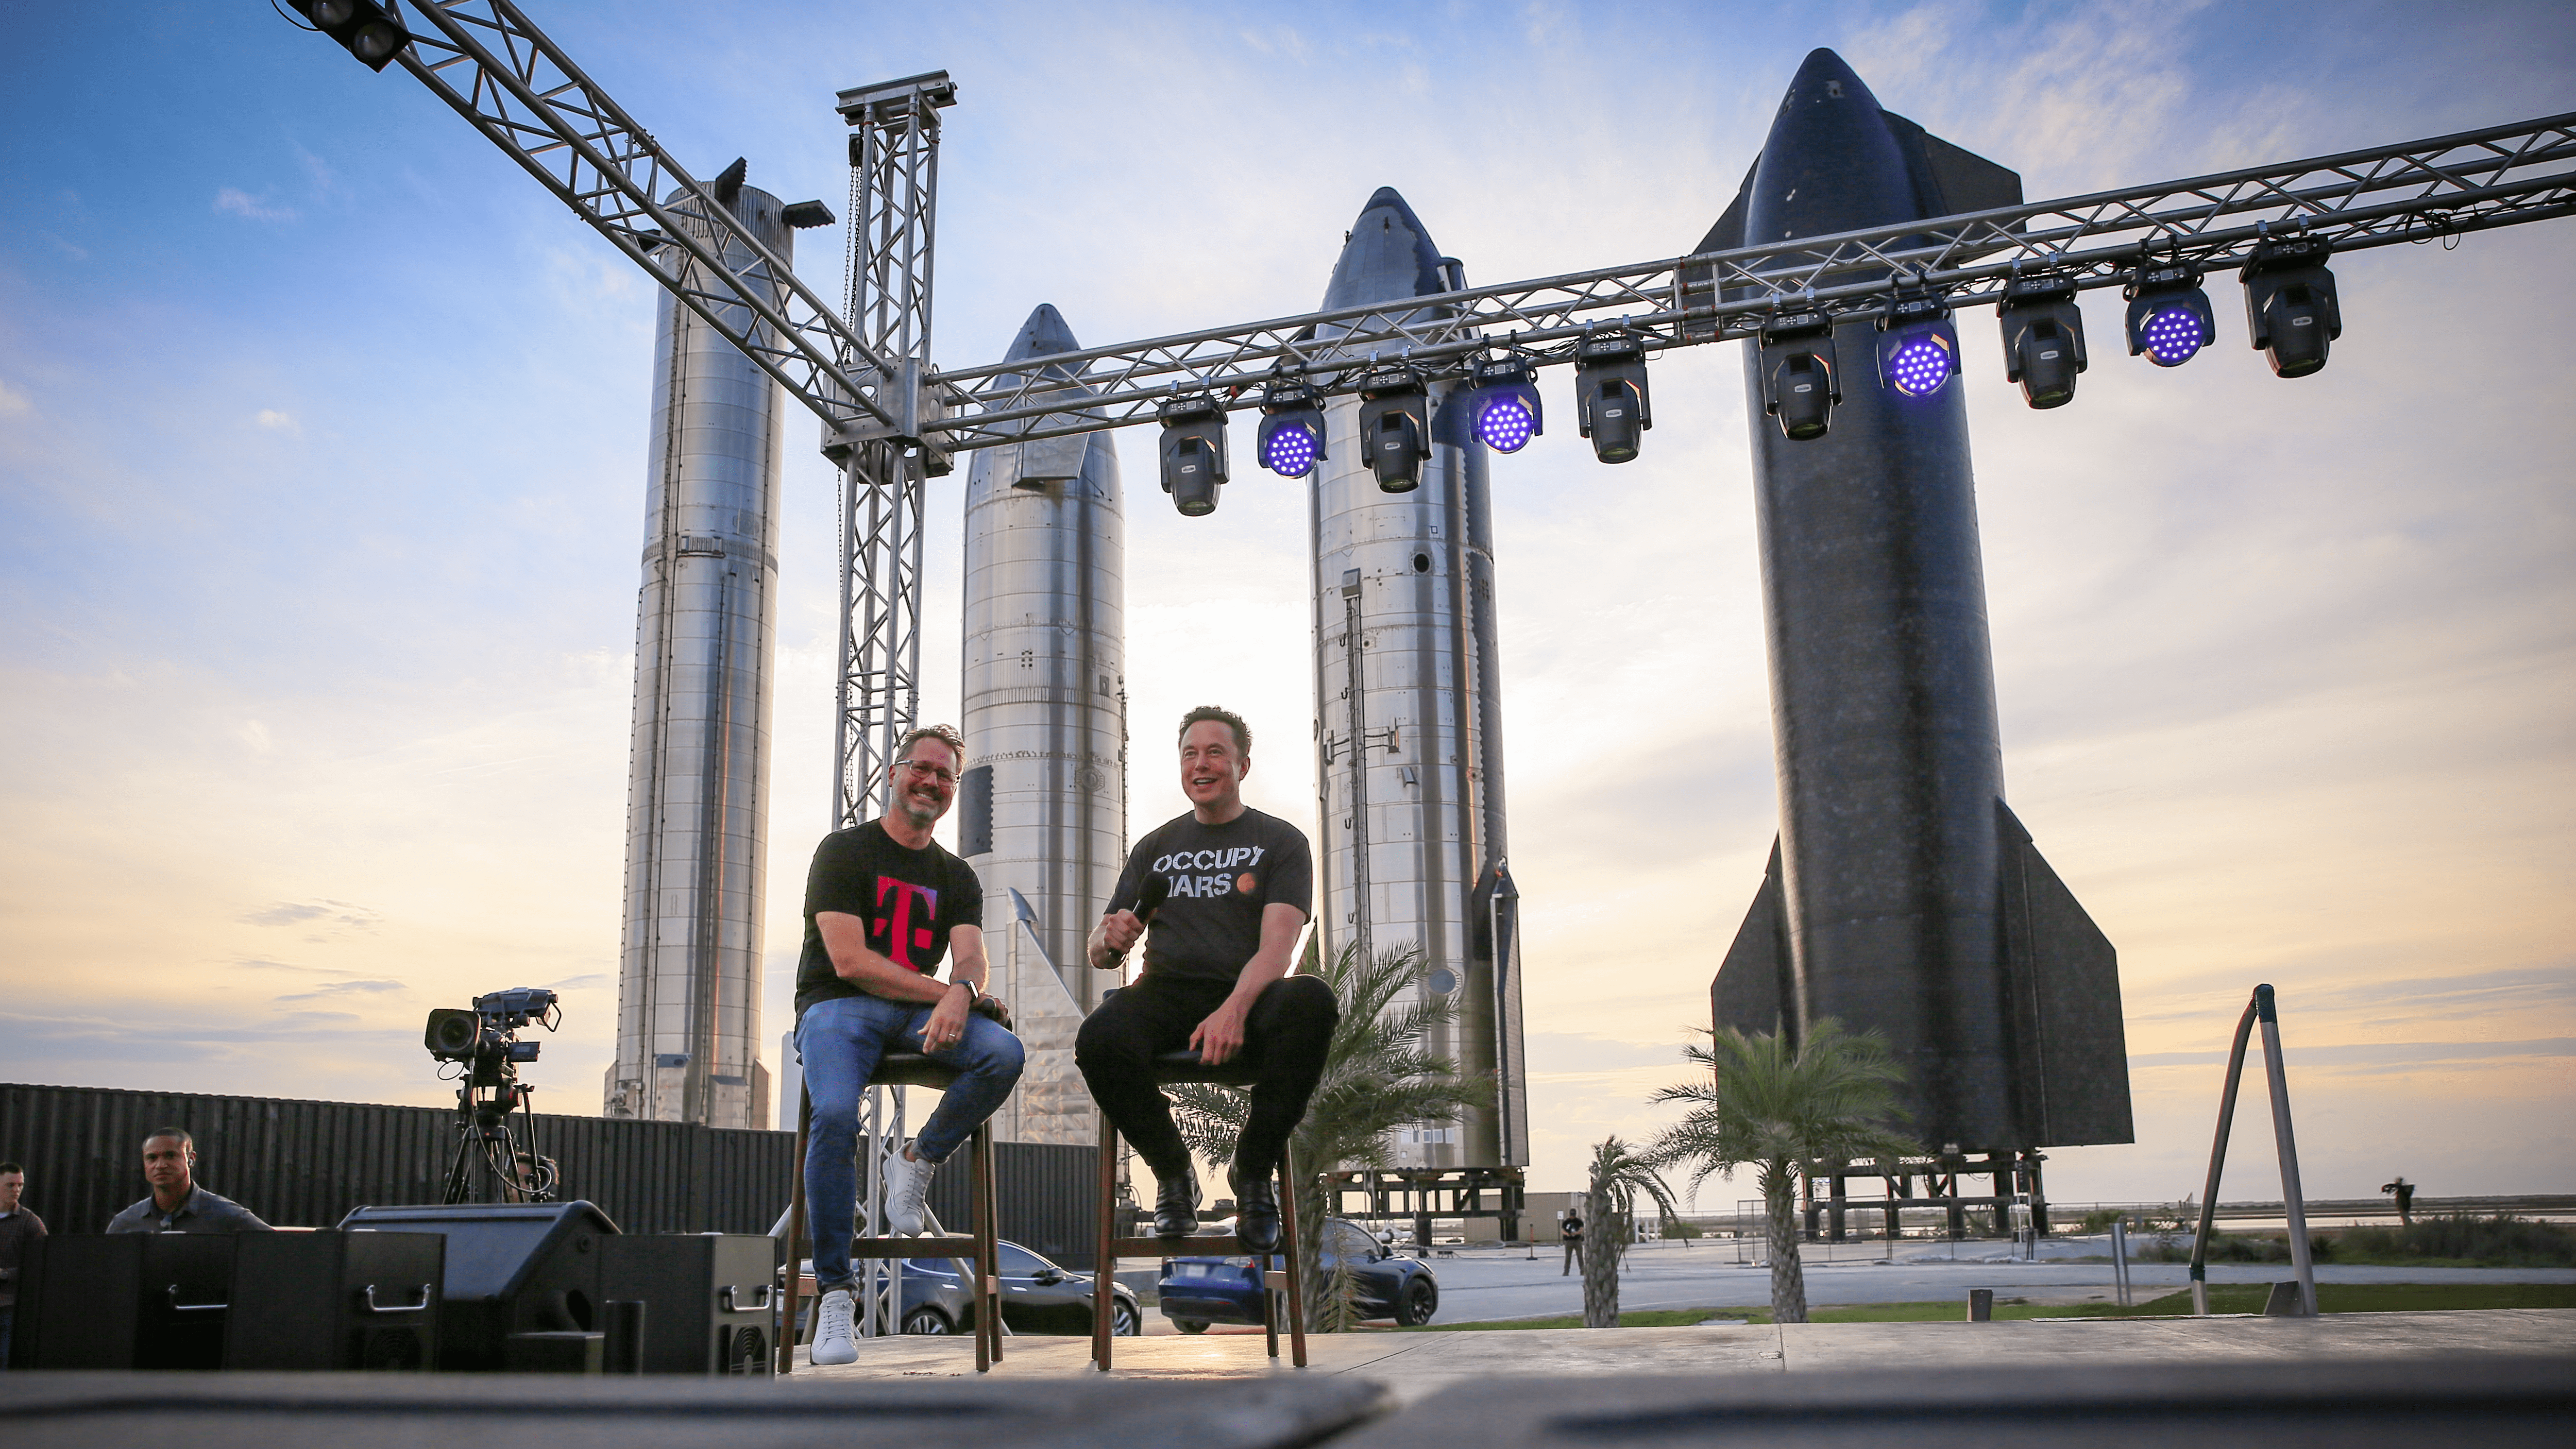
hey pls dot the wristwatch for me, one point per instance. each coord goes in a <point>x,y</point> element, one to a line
<point>974,993</point>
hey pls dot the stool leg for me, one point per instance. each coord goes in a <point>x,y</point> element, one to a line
<point>1296,1276</point>
<point>1104,1268</point>
<point>989,1244</point>
<point>980,1303</point>
<point>787,1333</point>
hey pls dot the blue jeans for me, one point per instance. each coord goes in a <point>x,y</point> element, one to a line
<point>840,1042</point>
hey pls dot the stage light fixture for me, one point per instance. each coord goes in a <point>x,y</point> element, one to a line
<point>2290,303</point>
<point>362,27</point>
<point>2169,316</point>
<point>1611,403</point>
<point>1800,381</point>
<point>1193,451</point>
<point>2043,338</point>
<point>1291,440</point>
<point>1505,405</point>
<point>1918,345</point>
<point>1394,404</point>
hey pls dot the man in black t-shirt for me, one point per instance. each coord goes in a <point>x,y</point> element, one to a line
<point>883,904</point>
<point>1235,886</point>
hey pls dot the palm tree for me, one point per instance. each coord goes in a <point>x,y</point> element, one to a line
<point>1377,1076</point>
<point>1619,1173</point>
<point>1775,1109</point>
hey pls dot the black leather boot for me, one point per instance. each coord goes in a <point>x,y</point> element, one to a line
<point>1176,1204</point>
<point>1256,1211</point>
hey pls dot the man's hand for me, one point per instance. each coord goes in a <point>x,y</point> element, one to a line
<point>947,1024</point>
<point>1220,1036</point>
<point>1119,931</point>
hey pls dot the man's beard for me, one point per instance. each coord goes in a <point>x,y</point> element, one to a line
<point>919,814</point>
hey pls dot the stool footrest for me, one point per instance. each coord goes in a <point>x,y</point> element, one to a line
<point>955,1246</point>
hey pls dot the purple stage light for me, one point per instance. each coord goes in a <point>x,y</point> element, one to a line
<point>1920,367</point>
<point>1289,452</point>
<point>1505,424</point>
<point>2172,336</point>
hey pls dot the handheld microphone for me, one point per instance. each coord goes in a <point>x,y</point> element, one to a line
<point>1150,895</point>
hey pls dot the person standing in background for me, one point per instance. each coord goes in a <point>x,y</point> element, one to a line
<point>177,1204</point>
<point>17,1227</point>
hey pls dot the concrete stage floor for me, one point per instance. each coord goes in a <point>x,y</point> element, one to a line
<point>1413,1365</point>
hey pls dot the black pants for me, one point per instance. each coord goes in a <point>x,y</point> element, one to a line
<point>1286,1036</point>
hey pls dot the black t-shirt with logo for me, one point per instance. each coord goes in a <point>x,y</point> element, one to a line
<point>1220,877</point>
<point>910,900</point>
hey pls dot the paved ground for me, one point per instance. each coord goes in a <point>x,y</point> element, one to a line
<point>1485,1284</point>
<point>1414,1364</point>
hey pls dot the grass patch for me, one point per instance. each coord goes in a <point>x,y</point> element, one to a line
<point>2223,1298</point>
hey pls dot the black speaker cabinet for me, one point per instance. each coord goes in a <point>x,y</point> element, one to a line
<point>334,1300</point>
<point>511,1268</point>
<point>709,1299</point>
<point>130,1301</point>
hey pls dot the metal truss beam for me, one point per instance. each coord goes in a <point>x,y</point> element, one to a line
<point>523,93</point>
<point>894,202</point>
<point>2413,192</point>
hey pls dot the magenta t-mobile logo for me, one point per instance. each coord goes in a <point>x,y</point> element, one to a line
<point>900,935</point>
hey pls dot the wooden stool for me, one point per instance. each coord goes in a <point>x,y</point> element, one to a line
<point>910,1069</point>
<point>1185,1066</point>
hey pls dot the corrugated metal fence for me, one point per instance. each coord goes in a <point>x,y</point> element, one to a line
<point>305,1164</point>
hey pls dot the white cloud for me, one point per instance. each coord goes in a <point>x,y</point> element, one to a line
<point>277,422</point>
<point>13,403</point>
<point>241,203</point>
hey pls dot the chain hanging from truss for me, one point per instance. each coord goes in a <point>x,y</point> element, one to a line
<point>894,192</point>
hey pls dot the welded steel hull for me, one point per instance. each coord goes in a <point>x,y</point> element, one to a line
<point>1902,895</point>
<point>689,968</point>
<point>1042,813</point>
<point>1409,728</point>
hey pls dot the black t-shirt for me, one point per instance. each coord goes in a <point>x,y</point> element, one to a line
<point>910,900</point>
<point>1221,876</point>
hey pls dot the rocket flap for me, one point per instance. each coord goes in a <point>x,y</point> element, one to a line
<point>1947,181</point>
<point>2071,1055</point>
<point>1753,992</point>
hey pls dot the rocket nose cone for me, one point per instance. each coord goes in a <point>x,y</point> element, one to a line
<point>1043,333</point>
<point>1831,164</point>
<point>1824,80</point>
<point>1389,254</point>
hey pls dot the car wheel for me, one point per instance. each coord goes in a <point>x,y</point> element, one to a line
<point>926,1319</point>
<point>1123,1320</point>
<point>1420,1299</point>
<point>1190,1325</point>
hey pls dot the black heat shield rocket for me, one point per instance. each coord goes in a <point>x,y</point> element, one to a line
<point>1903,896</point>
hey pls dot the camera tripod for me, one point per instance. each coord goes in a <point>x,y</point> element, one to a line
<point>490,1165</point>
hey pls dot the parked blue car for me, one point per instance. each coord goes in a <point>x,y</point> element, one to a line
<point>1199,1291</point>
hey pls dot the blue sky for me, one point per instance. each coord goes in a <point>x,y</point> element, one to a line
<point>321,459</point>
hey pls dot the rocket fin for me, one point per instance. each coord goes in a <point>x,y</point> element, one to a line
<point>2069,1044</point>
<point>1752,990</point>
<point>1948,179</point>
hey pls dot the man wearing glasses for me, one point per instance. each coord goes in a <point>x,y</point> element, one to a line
<point>883,904</point>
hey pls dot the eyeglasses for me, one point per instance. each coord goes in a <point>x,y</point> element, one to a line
<point>924,770</point>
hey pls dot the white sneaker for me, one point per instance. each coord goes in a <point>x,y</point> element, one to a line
<point>832,1317</point>
<point>907,1183</point>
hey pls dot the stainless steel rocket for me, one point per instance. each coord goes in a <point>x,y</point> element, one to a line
<point>1902,896</point>
<point>689,968</point>
<point>1042,810</point>
<point>1408,706</point>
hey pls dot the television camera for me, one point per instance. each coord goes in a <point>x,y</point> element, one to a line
<point>484,1045</point>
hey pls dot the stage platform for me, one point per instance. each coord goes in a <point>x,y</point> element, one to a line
<point>2494,1379</point>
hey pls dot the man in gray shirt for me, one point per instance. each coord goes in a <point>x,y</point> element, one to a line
<point>177,1204</point>
<point>17,1227</point>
